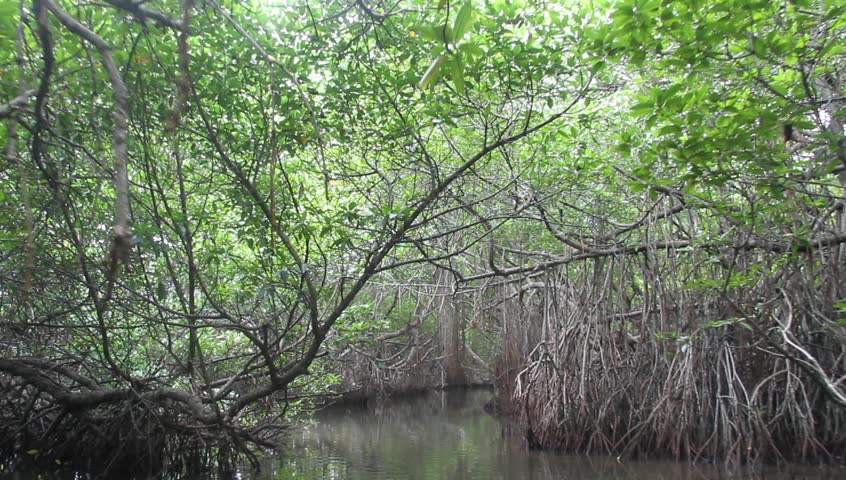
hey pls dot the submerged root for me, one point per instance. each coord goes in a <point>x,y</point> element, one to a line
<point>127,438</point>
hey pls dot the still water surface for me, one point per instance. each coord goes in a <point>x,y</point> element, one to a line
<point>448,436</point>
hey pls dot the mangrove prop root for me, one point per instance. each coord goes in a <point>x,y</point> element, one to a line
<point>740,375</point>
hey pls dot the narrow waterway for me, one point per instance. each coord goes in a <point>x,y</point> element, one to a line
<point>448,436</point>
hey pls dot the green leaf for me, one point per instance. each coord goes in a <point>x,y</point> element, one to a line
<point>8,11</point>
<point>432,72</point>
<point>791,59</point>
<point>462,21</point>
<point>458,74</point>
<point>597,67</point>
<point>643,108</point>
<point>432,32</point>
<point>670,130</point>
<point>471,49</point>
<point>8,15</point>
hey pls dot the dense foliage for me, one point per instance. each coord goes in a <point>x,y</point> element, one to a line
<point>628,215</point>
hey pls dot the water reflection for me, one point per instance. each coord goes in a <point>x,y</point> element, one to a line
<point>447,436</point>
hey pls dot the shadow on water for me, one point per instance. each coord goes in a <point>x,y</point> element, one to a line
<point>447,435</point>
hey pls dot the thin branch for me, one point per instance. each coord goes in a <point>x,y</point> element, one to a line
<point>142,14</point>
<point>775,247</point>
<point>7,110</point>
